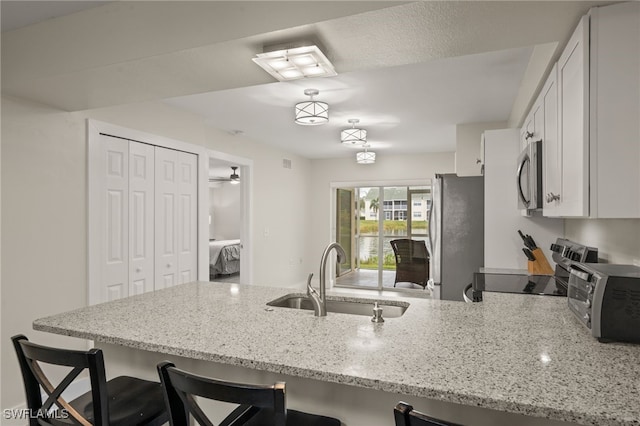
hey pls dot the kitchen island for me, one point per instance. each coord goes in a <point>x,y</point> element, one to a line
<point>472,363</point>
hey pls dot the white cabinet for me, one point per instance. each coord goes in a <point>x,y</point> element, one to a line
<point>615,111</point>
<point>591,170</point>
<point>551,147</point>
<point>573,121</point>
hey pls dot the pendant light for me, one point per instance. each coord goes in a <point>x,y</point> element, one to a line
<point>312,113</point>
<point>353,136</point>
<point>365,157</point>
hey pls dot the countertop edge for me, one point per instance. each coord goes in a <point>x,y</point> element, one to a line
<point>385,386</point>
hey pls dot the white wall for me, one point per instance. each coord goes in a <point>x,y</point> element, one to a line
<point>387,168</point>
<point>225,212</point>
<point>502,219</point>
<point>617,240</point>
<point>44,211</point>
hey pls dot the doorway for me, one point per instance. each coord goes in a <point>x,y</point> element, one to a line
<point>374,216</point>
<point>229,218</point>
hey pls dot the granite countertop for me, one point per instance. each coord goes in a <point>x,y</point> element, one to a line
<point>517,353</point>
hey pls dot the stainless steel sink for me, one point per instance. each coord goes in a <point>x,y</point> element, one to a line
<point>359,307</point>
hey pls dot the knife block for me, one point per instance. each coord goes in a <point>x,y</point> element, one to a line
<point>540,266</point>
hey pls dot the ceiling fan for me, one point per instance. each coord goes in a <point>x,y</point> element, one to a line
<point>234,178</point>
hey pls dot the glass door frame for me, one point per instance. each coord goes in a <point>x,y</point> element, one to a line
<point>410,192</point>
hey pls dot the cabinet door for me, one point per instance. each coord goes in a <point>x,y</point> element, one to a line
<point>615,111</point>
<point>527,131</point>
<point>573,92</point>
<point>551,147</point>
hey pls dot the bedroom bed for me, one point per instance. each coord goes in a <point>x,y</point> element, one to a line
<point>224,257</point>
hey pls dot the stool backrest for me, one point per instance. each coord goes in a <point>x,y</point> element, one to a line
<point>405,415</point>
<point>180,387</point>
<point>31,355</point>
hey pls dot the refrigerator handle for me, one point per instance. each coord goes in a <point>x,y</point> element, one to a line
<point>431,226</point>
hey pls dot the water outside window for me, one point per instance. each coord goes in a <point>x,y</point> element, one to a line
<point>383,214</point>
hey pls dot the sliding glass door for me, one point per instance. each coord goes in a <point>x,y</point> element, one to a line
<point>381,214</point>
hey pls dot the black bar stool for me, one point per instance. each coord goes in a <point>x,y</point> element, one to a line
<point>260,405</point>
<point>122,401</point>
<point>405,415</point>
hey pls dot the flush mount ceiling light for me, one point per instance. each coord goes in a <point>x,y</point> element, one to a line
<point>353,136</point>
<point>311,113</point>
<point>295,62</point>
<point>365,157</point>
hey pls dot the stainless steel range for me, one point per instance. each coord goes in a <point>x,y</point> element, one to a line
<point>564,253</point>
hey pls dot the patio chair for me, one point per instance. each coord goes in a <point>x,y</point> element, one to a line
<point>412,261</point>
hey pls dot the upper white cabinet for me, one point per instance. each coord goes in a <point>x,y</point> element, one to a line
<point>592,159</point>
<point>573,124</point>
<point>551,148</point>
<point>615,111</point>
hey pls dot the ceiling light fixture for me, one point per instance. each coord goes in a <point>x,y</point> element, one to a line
<point>234,179</point>
<point>295,62</point>
<point>353,136</point>
<point>311,113</point>
<point>365,157</point>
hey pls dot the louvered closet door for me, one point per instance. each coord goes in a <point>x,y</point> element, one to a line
<point>141,218</point>
<point>115,221</point>
<point>187,215</point>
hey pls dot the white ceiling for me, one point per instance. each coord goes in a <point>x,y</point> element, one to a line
<point>405,109</point>
<point>18,14</point>
<point>410,71</point>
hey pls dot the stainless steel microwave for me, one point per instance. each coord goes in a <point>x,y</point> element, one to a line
<point>529,177</point>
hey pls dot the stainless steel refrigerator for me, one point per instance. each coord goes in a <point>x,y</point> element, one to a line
<point>456,232</point>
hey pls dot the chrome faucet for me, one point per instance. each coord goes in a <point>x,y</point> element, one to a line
<point>320,300</point>
<point>319,308</point>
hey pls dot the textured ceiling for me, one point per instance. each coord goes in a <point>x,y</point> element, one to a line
<point>135,51</point>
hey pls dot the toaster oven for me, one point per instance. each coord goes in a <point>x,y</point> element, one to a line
<point>606,300</point>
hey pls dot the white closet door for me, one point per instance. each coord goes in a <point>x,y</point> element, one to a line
<point>187,217</point>
<point>115,226</point>
<point>166,218</point>
<point>141,218</point>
